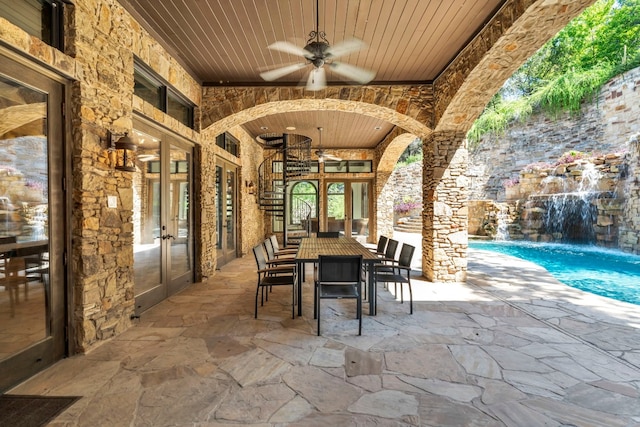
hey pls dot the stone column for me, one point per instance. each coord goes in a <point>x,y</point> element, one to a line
<point>445,212</point>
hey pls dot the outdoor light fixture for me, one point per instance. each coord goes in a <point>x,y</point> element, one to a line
<point>250,187</point>
<point>125,152</point>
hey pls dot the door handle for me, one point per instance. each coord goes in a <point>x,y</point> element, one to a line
<point>168,236</point>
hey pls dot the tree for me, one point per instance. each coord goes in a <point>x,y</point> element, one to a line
<point>601,43</point>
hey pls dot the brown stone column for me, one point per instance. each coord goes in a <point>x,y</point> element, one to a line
<point>445,212</point>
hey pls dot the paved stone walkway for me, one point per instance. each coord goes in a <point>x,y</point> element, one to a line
<point>512,347</point>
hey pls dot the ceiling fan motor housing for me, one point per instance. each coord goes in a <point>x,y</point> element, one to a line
<point>317,53</point>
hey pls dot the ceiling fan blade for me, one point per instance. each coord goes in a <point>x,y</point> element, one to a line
<point>345,47</point>
<point>331,157</point>
<point>281,72</point>
<point>289,48</point>
<point>352,72</point>
<point>317,79</point>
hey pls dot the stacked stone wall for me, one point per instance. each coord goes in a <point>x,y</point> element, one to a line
<point>603,126</point>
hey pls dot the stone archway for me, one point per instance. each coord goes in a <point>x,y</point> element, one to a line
<point>389,153</point>
<point>409,123</point>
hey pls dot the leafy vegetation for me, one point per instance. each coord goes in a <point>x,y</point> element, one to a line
<point>412,154</point>
<point>602,42</point>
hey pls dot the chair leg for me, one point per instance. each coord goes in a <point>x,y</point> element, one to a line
<point>401,294</point>
<point>359,311</point>
<point>293,299</point>
<point>410,297</point>
<point>256,308</point>
<point>316,302</point>
<point>318,314</point>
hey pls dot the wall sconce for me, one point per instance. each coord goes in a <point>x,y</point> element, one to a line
<point>250,187</point>
<point>125,152</point>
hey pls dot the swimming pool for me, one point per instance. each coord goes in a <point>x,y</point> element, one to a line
<point>605,272</point>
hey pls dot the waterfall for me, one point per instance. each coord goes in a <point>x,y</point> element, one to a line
<point>571,214</point>
<point>502,230</point>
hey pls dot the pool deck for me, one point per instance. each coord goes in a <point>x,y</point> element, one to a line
<point>511,347</point>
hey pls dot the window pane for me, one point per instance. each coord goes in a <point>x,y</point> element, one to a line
<point>147,89</point>
<point>360,166</point>
<point>335,167</point>
<point>36,17</point>
<point>179,110</point>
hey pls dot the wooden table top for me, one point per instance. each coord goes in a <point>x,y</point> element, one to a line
<point>312,247</point>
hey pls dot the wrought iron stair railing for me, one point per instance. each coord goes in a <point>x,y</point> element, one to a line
<point>287,160</point>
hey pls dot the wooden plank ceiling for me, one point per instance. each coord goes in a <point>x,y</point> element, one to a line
<point>224,42</point>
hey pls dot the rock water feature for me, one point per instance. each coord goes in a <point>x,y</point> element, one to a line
<point>577,200</point>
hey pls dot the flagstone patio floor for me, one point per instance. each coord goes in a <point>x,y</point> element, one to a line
<point>511,347</point>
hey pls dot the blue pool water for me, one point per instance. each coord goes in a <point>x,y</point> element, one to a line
<point>600,271</point>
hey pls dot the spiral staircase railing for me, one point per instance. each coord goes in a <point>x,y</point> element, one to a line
<point>287,162</point>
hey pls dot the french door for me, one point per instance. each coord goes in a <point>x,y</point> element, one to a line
<point>347,207</point>
<point>33,212</point>
<point>162,217</point>
<point>226,212</point>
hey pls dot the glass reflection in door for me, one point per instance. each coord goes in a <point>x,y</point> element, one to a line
<point>179,229</point>
<point>360,209</point>
<point>24,218</point>
<point>147,196</point>
<point>226,197</point>
<point>336,204</point>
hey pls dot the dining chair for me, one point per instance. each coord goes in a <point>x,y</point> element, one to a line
<point>381,246</point>
<point>390,251</point>
<point>281,251</point>
<point>15,275</point>
<point>272,259</point>
<point>268,277</point>
<point>339,277</point>
<point>398,273</point>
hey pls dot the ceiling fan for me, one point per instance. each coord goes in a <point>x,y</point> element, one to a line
<point>319,53</point>
<point>323,155</point>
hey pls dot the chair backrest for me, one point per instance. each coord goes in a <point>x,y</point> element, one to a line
<point>392,247</point>
<point>268,247</point>
<point>14,267</point>
<point>406,254</point>
<point>382,244</point>
<point>274,242</point>
<point>339,268</point>
<point>258,253</point>
<point>331,234</point>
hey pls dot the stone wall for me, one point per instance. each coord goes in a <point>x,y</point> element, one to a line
<point>609,125</point>
<point>406,189</point>
<point>629,230</point>
<point>105,39</point>
<point>603,126</point>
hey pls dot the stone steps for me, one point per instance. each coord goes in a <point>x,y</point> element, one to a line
<point>409,225</point>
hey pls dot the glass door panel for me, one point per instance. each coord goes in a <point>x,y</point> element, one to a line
<point>347,208</point>
<point>163,242</point>
<point>32,246</point>
<point>147,244</point>
<point>230,216</point>
<point>179,228</point>
<point>336,207</point>
<point>226,202</point>
<point>360,209</point>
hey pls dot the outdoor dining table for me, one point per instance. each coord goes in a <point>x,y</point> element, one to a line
<point>311,248</point>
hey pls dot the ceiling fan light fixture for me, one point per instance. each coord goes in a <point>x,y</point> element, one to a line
<point>318,52</point>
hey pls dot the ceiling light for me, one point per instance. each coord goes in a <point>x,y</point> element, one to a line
<point>290,128</point>
<point>378,127</point>
<point>264,127</point>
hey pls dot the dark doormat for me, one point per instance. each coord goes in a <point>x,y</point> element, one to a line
<point>31,411</point>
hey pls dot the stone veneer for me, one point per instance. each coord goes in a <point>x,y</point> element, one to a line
<point>602,126</point>
<point>102,39</point>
